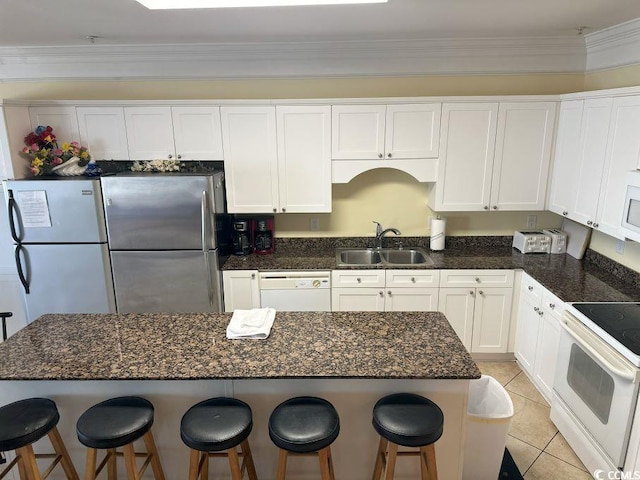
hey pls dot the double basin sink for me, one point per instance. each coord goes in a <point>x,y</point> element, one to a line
<point>374,257</point>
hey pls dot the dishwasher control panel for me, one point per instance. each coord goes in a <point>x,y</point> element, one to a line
<point>312,283</point>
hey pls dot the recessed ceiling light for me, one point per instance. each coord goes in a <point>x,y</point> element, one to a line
<point>179,4</point>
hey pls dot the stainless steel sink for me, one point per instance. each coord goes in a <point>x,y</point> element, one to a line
<point>406,256</point>
<point>384,257</point>
<point>358,257</point>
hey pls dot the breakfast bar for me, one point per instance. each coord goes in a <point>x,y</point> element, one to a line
<point>175,360</point>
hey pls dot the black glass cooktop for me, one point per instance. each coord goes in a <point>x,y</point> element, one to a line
<point>620,320</point>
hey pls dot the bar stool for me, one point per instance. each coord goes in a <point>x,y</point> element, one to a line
<point>114,423</point>
<point>411,421</point>
<point>214,428</point>
<point>23,423</point>
<point>305,426</point>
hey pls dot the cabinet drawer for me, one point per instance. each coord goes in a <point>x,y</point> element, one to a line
<point>357,278</point>
<point>476,278</point>
<point>413,278</point>
<point>552,304</point>
<point>531,288</point>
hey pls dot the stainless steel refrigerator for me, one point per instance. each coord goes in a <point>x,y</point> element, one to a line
<point>60,241</point>
<point>162,240</point>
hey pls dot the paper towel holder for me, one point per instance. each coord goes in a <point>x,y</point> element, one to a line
<point>437,239</point>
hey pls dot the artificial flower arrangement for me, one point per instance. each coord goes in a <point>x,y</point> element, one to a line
<point>156,166</point>
<point>45,155</point>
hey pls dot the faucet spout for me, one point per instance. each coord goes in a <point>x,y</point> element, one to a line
<point>381,235</point>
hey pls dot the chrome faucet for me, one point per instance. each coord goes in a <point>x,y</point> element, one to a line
<point>380,233</point>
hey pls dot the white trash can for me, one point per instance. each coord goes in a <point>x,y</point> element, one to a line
<point>489,416</point>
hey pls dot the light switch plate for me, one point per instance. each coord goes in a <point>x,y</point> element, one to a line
<point>314,224</point>
<point>532,221</point>
<point>620,247</point>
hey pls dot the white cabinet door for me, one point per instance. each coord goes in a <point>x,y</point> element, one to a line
<point>412,131</point>
<point>564,178</point>
<point>523,153</point>
<point>63,120</point>
<point>457,304</point>
<point>149,133</point>
<point>240,290</point>
<point>368,299</point>
<point>357,132</point>
<point>527,332</point>
<point>466,161</point>
<point>103,132</point>
<point>491,320</point>
<point>304,158</point>
<point>251,168</point>
<point>623,155</point>
<point>197,133</point>
<point>595,127</point>
<point>411,300</point>
<point>547,352</point>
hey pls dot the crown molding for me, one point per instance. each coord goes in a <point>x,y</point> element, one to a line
<point>613,47</point>
<point>477,56</point>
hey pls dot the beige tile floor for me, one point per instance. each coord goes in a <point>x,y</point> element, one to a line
<point>539,450</point>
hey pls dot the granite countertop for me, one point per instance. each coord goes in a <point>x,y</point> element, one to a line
<point>368,345</point>
<point>569,279</point>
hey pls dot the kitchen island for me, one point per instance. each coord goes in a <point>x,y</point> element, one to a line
<point>176,360</point>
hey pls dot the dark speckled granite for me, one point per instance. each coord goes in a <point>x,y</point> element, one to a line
<point>194,346</point>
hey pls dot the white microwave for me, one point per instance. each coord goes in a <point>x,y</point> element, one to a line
<point>630,226</point>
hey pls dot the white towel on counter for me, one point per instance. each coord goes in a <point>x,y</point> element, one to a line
<point>254,324</point>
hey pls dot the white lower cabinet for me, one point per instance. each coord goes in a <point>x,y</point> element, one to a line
<point>477,303</point>
<point>538,334</point>
<point>380,290</point>
<point>241,290</point>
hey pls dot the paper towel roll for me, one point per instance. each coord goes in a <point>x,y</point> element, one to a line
<point>438,226</point>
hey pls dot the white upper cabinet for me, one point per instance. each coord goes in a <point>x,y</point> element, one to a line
<point>523,153</point>
<point>304,158</point>
<point>623,155</point>
<point>103,132</point>
<point>372,132</point>
<point>466,160</point>
<point>251,158</point>
<point>564,178</point>
<point>197,133</point>
<point>149,133</point>
<point>63,120</point>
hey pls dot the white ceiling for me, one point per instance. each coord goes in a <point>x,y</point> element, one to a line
<point>125,22</point>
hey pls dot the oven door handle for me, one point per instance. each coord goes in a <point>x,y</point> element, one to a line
<point>607,357</point>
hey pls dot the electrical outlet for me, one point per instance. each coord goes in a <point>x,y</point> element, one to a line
<point>532,221</point>
<point>620,247</point>
<point>314,224</point>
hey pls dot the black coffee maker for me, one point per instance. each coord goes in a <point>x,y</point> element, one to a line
<point>242,237</point>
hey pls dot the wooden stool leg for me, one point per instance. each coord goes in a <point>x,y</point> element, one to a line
<point>430,453</point>
<point>61,450</point>
<point>248,459</point>
<point>204,467</point>
<point>234,464</point>
<point>381,458</point>
<point>30,462</point>
<point>130,462</point>
<point>391,461</point>
<point>149,442</point>
<point>331,471</point>
<point>90,464</point>
<point>282,465</point>
<point>324,456</point>
<point>112,466</point>
<point>22,467</point>
<point>194,461</point>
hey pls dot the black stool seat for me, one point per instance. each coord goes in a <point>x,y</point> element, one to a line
<point>304,424</point>
<point>26,421</point>
<point>407,419</point>
<point>115,422</point>
<point>216,424</point>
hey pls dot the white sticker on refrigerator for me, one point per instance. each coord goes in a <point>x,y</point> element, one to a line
<point>34,209</point>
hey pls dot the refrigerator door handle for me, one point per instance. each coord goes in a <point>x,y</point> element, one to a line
<point>204,210</point>
<point>23,279</point>
<point>12,223</point>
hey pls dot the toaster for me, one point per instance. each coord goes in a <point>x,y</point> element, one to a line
<point>532,242</point>
<point>558,240</point>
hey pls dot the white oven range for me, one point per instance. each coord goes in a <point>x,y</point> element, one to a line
<point>596,381</point>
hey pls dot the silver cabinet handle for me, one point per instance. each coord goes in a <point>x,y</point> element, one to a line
<point>530,287</point>
<point>486,207</point>
<point>477,279</point>
<point>380,155</point>
<point>381,293</point>
<point>536,309</point>
<point>413,279</point>
<point>253,276</point>
<point>495,207</point>
<point>589,223</point>
<point>170,156</point>
<point>359,280</point>
<point>179,156</point>
<point>596,225</point>
<point>275,210</point>
<point>389,292</point>
<point>481,292</point>
<point>284,210</point>
<point>389,155</point>
<point>565,213</point>
<point>552,306</point>
<point>541,313</point>
<point>472,293</point>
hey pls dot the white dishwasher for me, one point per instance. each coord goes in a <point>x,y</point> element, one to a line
<point>308,291</point>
